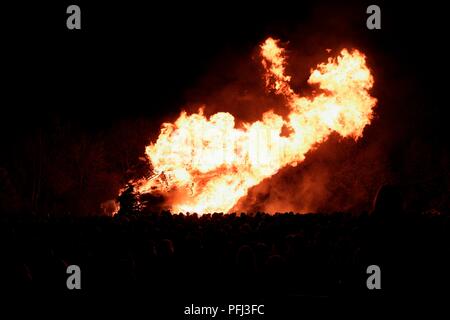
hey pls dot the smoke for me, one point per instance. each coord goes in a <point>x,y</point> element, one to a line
<point>235,84</point>
<point>338,176</point>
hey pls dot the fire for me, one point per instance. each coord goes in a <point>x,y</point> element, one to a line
<point>206,164</point>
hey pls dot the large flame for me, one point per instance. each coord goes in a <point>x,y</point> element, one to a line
<point>207,164</point>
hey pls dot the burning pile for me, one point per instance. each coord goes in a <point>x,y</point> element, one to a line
<point>202,164</point>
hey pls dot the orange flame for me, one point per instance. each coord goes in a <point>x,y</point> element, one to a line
<point>207,164</point>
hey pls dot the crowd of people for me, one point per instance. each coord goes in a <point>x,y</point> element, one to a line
<point>214,254</point>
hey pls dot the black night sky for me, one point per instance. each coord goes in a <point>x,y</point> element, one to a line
<point>79,106</point>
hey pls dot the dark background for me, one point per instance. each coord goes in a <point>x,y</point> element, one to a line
<point>78,106</point>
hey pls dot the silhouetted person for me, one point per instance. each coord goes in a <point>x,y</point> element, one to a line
<point>128,201</point>
<point>245,260</point>
<point>388,201</point>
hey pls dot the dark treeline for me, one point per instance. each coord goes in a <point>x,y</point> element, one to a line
<point>59,168</point>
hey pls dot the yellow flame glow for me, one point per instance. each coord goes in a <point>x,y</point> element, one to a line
<point>207,164</point>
